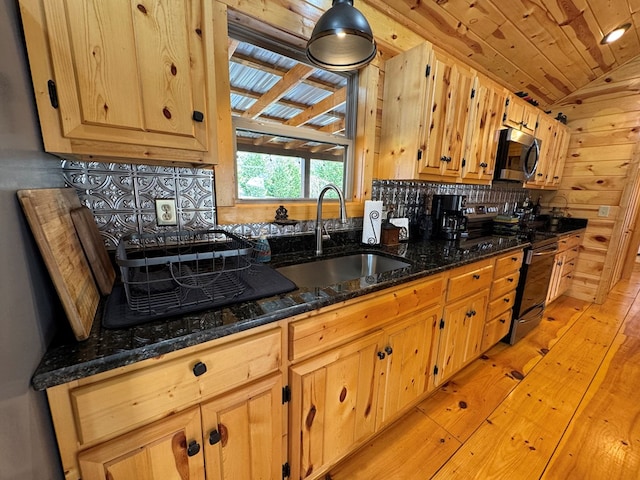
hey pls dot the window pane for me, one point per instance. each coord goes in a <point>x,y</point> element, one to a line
<point>263,175</point>
<point>323,172</point>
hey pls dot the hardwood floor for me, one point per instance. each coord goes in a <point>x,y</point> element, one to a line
<point>563,403</point>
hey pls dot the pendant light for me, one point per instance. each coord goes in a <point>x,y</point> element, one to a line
<point>615,34</point>
<point>342,39</point>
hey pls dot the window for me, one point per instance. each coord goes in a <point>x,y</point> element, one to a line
<point>293,123</point>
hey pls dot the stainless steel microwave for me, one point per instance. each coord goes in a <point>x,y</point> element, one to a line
<point>517,157</point>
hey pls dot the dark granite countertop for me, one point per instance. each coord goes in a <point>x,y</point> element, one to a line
<point>105,349</point>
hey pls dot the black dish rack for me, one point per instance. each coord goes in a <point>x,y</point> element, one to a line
<point>168,271</point>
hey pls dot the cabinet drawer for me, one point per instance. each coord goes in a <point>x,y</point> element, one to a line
<point>496,329</point>
<point>508,264</point>
<point>571,241</point>
<point>120,403</point>
<point>470,279</point>
<point>338,325</point>
<point>501,304</point>
<point>504,285</point>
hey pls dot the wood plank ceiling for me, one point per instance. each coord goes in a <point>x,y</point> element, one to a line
<point>547,48</point>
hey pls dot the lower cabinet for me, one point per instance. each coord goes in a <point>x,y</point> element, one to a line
<point>342,397</point>
<point>564,266</point>
<point>166,450</point>
<point>235,436</point>
<point>461,334</point>
<point>242,433</point>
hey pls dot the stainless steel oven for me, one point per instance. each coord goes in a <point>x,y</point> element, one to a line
<point>531,293</point>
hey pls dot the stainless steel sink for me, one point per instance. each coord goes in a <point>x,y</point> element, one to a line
<point>322,273</point>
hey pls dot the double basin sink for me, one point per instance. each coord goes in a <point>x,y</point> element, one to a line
<point>329,271</point>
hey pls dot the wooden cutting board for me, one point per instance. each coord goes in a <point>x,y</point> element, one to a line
<point>94,248</point>
<point>48,214</point>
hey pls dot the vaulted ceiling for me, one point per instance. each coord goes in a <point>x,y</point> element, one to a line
<point>547,48</point>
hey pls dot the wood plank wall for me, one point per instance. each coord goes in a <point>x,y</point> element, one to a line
<point>604,119</point>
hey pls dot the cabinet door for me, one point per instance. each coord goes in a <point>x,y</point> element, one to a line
<point>448,105</point>
<point>546,133</point>
<point>243,435</point>
<point>333,403</point>
<point>485,120</point>
<point>461,334</point>
<point>126,74</point>
<point>405,115</point>
<point>520,115</point>
<point>406,357</point>
<point>170,449</point>
<point>559,154</point>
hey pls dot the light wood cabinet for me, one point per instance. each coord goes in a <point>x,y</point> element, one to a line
<point>520,114</point>
<point>138,416</point>
<point>427,98</point>
<point>564,266</point>
<point>242,432</point>
<point>501,300</point>
<point>460,334</point>
<point>546,133</point>
<point>558,155</point>
<point>166,450</point>
<point>333,403</point>
<point>448,105</point>
<point>462,323</point>
<point>405,359</point>
<point>129,81</point>
<point>346,391</point>
<point>216,410</point>
<point>554,137</point>
<point>485,119</point>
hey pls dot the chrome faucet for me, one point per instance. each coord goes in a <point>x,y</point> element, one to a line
<point>343,215</point>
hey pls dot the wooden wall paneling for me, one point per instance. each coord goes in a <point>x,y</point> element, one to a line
<point>365,141</point>
<point>610,138</point>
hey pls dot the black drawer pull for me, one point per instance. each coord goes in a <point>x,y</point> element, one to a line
<point>476,276</point>
<point>381,355</point>
<point>389,350</point>
<point>510,280</point>
<point>214,437</point>
<point>199,369</point>
<point>506,300</point>
<point>193,448</point>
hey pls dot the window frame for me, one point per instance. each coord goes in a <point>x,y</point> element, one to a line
<point>240,33</point>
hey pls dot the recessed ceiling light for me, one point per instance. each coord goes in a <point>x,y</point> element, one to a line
<point>614,35</point>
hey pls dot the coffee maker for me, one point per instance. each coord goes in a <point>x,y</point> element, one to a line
<point>448,214</point>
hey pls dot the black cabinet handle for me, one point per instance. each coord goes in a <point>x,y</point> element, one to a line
<point>484,165</point>
<point>502,320</point>
<point>193,448</point>
<point>389,350</point>
<point>197,116</point>
<point>214,437</point>
<point>443,158</point>
<point>199,369</point>
<point>476,276</point>
<point>510,280</point>
<point>381,355</point>
<point>506,300</point>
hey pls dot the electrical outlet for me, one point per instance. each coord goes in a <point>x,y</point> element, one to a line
<point>603,211</point>
<point>166,211</point>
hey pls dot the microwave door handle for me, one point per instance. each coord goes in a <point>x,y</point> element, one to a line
<point>532,151</point>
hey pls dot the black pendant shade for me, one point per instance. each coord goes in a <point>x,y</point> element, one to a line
<point>342,39</point>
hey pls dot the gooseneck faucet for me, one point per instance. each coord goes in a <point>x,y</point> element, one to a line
<point>343,214</point>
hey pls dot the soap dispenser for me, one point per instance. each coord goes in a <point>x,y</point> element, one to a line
<point>262,248</point>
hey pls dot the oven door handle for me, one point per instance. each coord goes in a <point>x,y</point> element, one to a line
<point>546,252</point>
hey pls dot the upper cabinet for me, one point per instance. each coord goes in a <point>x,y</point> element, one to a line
<point>485,119</point>
<point>128,80</point>
<point>439,119</point>
<point>554,141</point>
<point>520,114</point>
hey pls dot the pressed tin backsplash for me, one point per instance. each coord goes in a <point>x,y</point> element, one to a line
<point>122,199</point>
